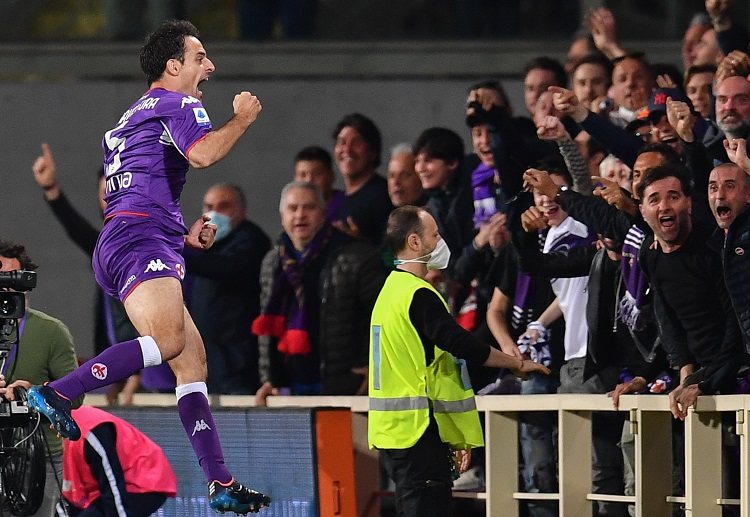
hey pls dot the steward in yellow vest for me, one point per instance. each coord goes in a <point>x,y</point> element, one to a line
<point>421,402</point>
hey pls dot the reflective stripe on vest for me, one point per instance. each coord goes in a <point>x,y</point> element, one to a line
<point>407,403</point>
<point>454,406</point>
<point>399,404</point>
<point>404,389</point>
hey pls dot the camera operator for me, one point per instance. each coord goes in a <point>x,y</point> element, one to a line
<point>44,352</point>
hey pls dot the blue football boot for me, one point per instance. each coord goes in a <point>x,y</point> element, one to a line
<point>56,408</point>
<point>235,498</point>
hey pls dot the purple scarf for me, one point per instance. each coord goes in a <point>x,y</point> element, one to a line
<point>523,305</point>
<point>482,182</point>
<point>636,283</point>
<point>333,208</point>
<point>284,314</point>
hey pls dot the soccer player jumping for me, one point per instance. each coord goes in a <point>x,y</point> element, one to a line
<point>138,254</point>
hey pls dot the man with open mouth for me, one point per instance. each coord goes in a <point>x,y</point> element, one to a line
<point>699,330</point>
<point>138,257</point>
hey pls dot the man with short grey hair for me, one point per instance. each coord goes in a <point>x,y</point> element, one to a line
<point>318,287</point>
<point>404,186</point>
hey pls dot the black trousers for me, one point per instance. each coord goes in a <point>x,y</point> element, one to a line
<point>422,474</point>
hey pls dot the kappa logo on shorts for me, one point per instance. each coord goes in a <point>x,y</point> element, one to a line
<point>200,425</point>
<point>156,266</point>
<point>180,270</point>
<point>99,371</point>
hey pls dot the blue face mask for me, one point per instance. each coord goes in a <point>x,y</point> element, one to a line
<point>223,224</point>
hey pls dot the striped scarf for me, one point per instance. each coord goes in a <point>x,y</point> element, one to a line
<point>284,315</point>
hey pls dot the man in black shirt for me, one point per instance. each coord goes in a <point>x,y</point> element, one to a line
<point>698,327</point>
<point>365,208</point>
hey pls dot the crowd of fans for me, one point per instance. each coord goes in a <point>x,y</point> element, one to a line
<point>601,232</point>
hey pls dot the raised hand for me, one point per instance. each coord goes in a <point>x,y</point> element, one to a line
<point>492,232</point>
<point>486,97</point>
<point>551,128</point>
<point>603,28</point>
<point>541,182</point>
<point>533,220</point>
<point>737,152</point>
<point>681,119</point>
<point>664,81</point>
<point>566,103</point>
<point>611,192</point>
<point>45,172</point>
<point>735,63</point>
<point>247,106</point>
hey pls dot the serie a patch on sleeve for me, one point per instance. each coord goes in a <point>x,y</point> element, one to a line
<point>201,117</point>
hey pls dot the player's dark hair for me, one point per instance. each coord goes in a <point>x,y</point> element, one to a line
<point>165,43</point>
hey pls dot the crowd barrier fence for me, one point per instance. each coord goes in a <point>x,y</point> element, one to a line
<point>651,424</point>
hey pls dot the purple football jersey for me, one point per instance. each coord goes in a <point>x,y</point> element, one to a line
<point>145,155</point>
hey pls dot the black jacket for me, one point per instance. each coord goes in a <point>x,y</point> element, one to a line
<point>737,270</point>
<point>341,287</point>
<point>223,302</point>
<point>610,342</point>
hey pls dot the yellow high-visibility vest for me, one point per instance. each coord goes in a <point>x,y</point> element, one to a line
<point>403,386</point>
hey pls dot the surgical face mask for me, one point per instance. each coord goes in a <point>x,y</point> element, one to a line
<point>438,258</point>
<point>223,224</point>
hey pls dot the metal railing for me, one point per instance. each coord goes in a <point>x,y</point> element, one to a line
<point>649,417</point>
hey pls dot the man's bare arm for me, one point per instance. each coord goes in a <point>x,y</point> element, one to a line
<point>217,144</point>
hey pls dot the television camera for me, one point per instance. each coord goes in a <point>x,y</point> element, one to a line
<point>22,442</point>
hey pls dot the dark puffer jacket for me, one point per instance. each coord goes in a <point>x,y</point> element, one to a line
<point>735,258</point>
<point>341,287</point>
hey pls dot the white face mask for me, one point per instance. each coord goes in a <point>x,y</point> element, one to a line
<point>223,224</point>
<point>438,258</point>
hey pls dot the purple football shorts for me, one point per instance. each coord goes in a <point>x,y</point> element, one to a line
<point>132,249</point>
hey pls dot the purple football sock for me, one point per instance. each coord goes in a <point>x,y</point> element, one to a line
<point>114,364</point>
<point>201,431</point>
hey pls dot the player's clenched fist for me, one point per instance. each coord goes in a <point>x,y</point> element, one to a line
<point>247,105</point>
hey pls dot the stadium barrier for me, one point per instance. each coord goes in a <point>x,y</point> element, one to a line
<point>651,424</point>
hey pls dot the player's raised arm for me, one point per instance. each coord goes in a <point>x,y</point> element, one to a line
<point>217,144</point>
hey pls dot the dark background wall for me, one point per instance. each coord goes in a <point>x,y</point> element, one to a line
<point>73,116</point>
